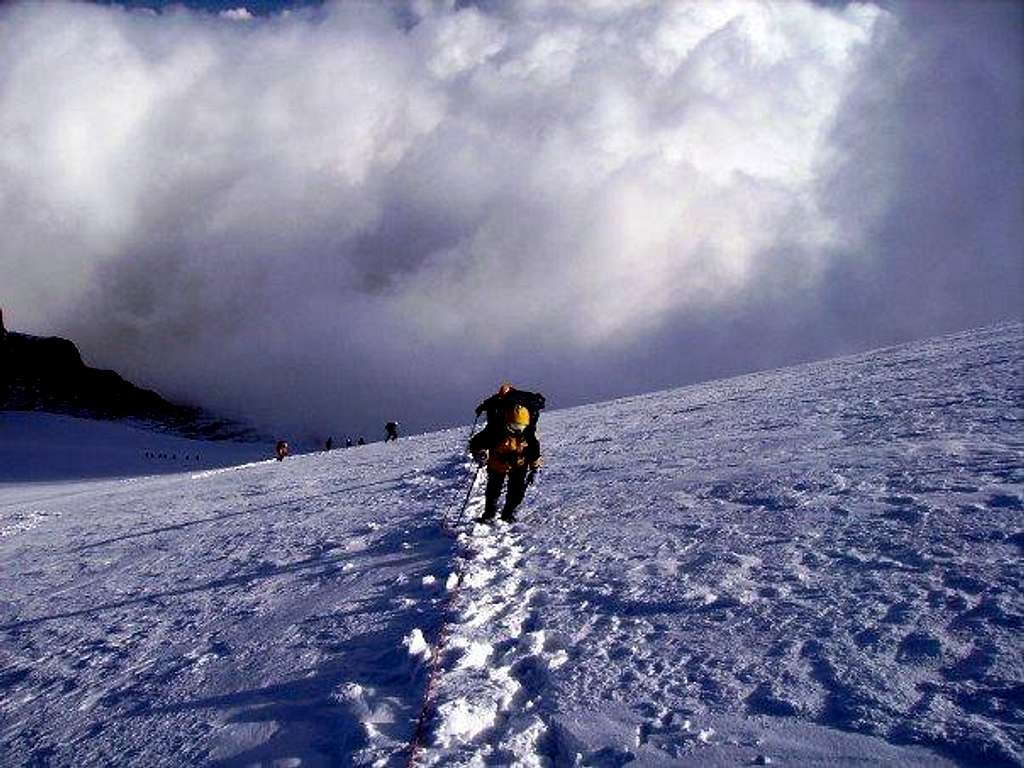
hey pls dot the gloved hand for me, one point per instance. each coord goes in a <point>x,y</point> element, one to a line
<point>480,457</point>
<point>531,476</point>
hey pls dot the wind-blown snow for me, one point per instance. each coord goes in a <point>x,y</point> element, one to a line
<point>812,566</point>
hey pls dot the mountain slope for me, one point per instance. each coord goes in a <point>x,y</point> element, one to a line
<point>47,373</point>
<point>812,566</point>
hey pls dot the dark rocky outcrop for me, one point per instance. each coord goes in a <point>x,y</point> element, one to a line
<point>47,374</point>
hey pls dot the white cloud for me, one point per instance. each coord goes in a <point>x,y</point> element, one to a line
<point>342,184</point>
<point>237,14</point>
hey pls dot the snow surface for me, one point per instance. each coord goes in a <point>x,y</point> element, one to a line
<point>41,446</point>
<point>815,566</point>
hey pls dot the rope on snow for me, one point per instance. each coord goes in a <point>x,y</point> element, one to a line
<point>441,642</point>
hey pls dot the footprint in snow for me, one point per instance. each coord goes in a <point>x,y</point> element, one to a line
<point>919,648</point>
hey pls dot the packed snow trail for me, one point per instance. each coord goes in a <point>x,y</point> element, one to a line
<point>812,566</point>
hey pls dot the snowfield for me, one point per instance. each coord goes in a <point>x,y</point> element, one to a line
<point>815,566</point>
<point>39,447</point>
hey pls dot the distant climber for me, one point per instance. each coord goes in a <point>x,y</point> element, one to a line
<point>509,449</point>
<point>360,441</point>
<point>329,444</point>
<point>391,431</point>
<point>281,450</point>
<point>348,442</point>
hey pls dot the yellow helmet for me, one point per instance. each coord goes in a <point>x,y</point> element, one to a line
<point>518,418</point>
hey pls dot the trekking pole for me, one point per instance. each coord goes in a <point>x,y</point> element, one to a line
<point>469,492</point>
<point>472,481</point>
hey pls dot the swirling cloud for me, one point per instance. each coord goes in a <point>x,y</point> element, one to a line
<point>335,215</point>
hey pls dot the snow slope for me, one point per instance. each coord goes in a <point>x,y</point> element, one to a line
<point>39,447</point>
<point>812,566</point>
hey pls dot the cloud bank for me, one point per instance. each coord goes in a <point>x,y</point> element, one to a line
<point>337,216</point>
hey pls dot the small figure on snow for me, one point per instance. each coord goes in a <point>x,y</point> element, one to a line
<point>348,442</point>
<point>391,431</point>
<point>509,449</point>
<point>281,450</point>
<point>329,444</point>
<point>360,441</point>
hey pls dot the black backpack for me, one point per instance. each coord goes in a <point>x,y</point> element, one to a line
<point>497,405</point>
<point>532,401</point>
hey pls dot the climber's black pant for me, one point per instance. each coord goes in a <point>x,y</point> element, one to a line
<point>513,496</point>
